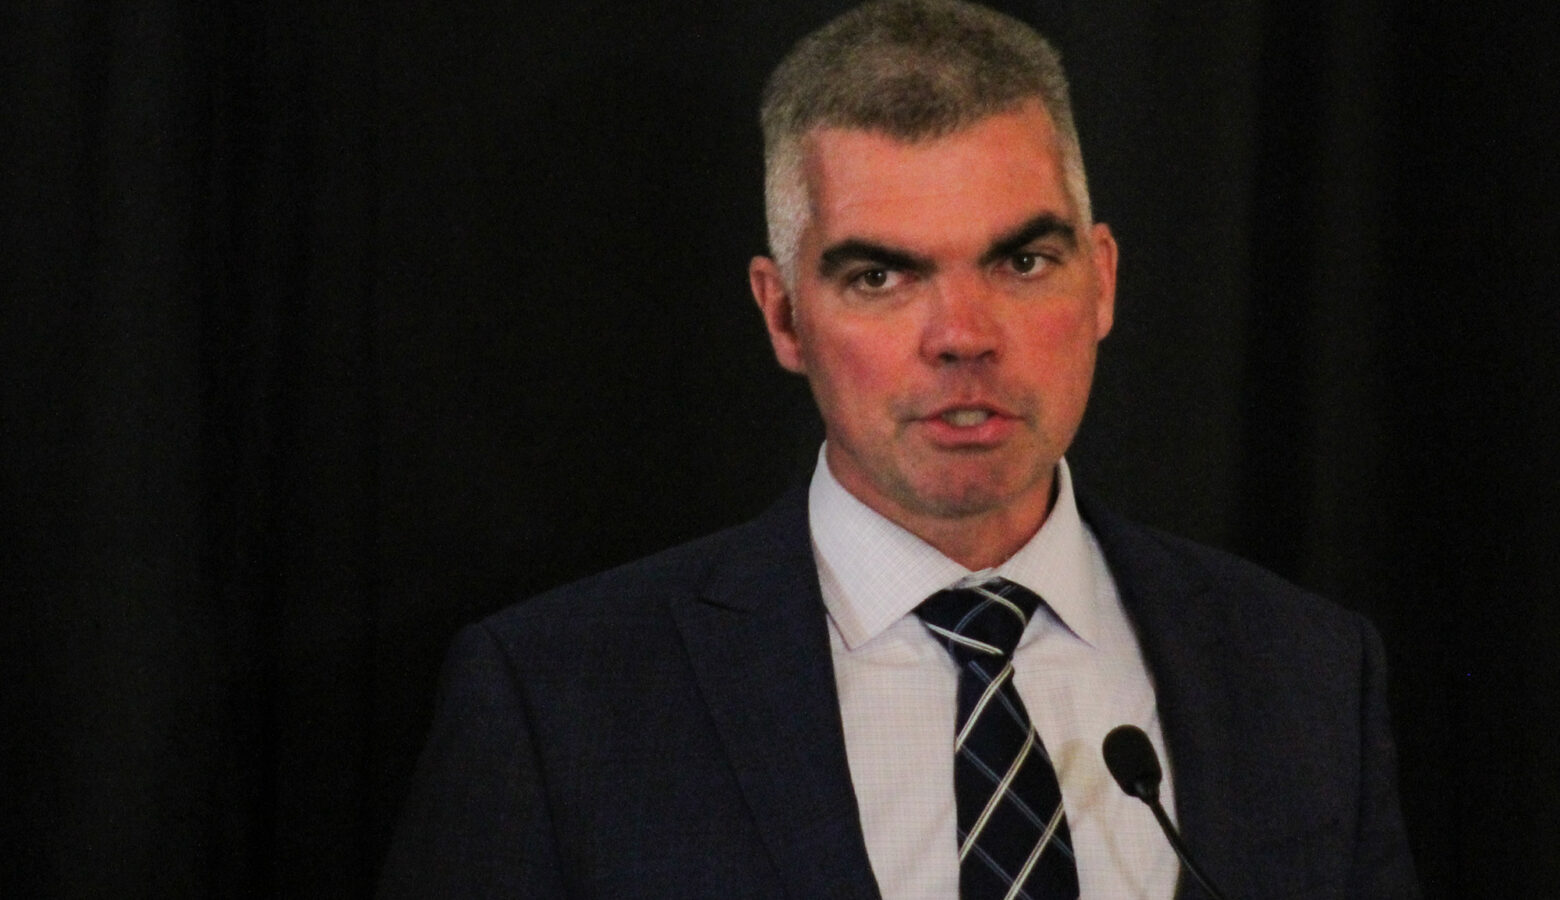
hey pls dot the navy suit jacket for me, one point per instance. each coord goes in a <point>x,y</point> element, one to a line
<point>671,729</point>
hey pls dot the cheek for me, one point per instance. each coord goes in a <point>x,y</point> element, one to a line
<point>1060,344</point>
<point>1063,330</point>
<point>852,367</point>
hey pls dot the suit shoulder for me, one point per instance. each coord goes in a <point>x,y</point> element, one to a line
<point>1264,600</point>
<point>644,586</point>
<point>1230,572</point>
<point>640,585</point>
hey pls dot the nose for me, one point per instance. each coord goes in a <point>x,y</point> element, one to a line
<point>963,323</point>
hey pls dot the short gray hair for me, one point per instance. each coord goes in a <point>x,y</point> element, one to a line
<point>911,69</point>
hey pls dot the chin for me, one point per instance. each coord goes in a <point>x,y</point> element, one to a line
<point>955,501</point>
<point>962,495</point>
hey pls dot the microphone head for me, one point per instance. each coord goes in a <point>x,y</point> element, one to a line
<point>1132,762</point>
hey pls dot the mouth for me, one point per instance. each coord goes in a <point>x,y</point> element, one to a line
<point>968,414</point>
<point>967,426</point>
<point>965,417</point>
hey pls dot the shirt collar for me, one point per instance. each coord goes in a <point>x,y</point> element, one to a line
<point>874,573</point>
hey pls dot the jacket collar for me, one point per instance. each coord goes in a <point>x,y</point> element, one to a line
<point>758,641</point>
<point>1186,635</point>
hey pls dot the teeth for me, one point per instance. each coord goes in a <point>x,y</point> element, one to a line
<point>965,418</point>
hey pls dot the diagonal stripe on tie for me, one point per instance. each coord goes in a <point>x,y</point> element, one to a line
<point>997,798</point>
<point>993,690</point>
<point>1013,837</point>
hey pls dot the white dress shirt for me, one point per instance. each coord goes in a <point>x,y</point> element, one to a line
<point>1078,670</point>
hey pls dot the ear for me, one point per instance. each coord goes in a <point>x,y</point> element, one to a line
<point>1102,252</point>
<point>776,306</point>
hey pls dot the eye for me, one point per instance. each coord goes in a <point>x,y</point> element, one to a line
<point>1028,263</point>
<point>876,280</point>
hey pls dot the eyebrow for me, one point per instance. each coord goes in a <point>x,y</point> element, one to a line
<point>1042,226</point>
<point>840,255</point>
<point>855,250</point>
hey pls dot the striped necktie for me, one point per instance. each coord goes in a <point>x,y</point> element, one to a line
<point>1013,840</point>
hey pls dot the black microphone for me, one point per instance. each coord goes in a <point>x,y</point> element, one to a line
<point>1135,766</point>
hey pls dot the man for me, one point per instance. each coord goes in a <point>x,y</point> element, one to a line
<point>788,708</point>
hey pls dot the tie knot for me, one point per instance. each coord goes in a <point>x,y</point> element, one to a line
<point>980,621</point>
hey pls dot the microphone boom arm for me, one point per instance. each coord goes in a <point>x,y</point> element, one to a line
<point>1133,763</point>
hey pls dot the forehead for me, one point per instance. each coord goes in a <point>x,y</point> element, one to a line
<point>961,188</point>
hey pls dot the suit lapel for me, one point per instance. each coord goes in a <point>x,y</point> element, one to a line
<point>1186,637</point>
<point>758,641</point>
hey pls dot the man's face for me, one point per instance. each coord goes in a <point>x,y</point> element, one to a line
<point>946,310</point>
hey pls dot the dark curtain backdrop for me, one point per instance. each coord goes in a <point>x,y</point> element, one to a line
<point>331,327</point>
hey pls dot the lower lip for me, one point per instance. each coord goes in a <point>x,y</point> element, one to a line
<point>989,433</point>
